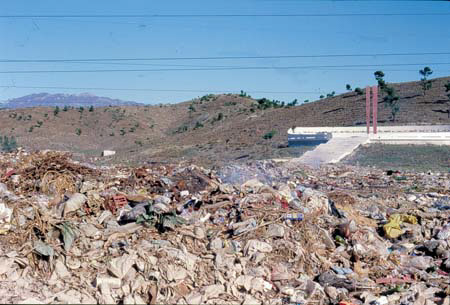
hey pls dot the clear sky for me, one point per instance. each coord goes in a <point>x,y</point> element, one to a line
<point>149,37</point>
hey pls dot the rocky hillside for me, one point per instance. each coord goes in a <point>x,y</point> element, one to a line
<point>208,129</point>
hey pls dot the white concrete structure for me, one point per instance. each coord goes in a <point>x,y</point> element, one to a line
<point>333,151</point>
<point>107,153</point>
<point>417,134</point>
<point>346,139</point>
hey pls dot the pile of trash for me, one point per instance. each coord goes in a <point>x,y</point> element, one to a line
<point>159,234</point>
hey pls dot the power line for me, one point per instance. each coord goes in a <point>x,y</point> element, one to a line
<point>155,90</point>
<point>139,24</point>
<point>221,15</point>
<point>227,57</point>
<point>208,66</point>
<point>143,64</point>
<point>218,69</point>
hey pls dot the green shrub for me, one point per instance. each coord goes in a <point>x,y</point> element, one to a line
<point>291,104</point>
<point>78,131</point>
<point>8,144</point>
<point>447,91</point>
<point>265,103</point>
<point>198,125</point>
<point>181,129</point>
<point>391,100</point>
<point>218,118</point>
<point>269,135</point>
<point>207,97</point>
<point>244,94</point>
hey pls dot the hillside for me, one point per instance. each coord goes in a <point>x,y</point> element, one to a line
<point>61,100</point>
<point>206,130</point>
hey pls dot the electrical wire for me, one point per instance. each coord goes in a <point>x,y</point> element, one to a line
<point>218,69</point>
<point>221,15</point>
<point>156,90</point>
<point>225,57</point>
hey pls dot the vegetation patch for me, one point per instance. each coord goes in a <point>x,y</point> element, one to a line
<point>420,158</point>
<point>8,144</point>
<point>269,135</point>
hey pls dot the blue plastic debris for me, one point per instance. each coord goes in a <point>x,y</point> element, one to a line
<point>293,217</point>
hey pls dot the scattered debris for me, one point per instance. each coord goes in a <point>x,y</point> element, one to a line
<point>257,233</point>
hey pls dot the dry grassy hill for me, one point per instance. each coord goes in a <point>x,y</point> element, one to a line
<point>209,129</point>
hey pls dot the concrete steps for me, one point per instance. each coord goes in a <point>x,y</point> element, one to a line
<point>333,151</point>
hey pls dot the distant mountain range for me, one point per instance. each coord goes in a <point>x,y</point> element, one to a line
<point>61,100</point>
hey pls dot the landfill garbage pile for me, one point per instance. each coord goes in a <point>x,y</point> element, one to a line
<point>76,233</point>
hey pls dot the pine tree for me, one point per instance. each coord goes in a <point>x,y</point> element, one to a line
<point>56,111</point>
<point>379,76</point>
<point>426,84</point>
<point>447,90</point>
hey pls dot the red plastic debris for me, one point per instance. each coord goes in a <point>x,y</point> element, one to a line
<point>442,272</point>
<point>395,280</point>
<point>115,203</point>
<point>284,203</point>
<point>120,200</point>
<point>9,174</point>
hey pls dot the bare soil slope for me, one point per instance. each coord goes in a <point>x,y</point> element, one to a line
<point>206,130</point>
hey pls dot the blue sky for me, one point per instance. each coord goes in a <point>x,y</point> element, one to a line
<point>80,38</point>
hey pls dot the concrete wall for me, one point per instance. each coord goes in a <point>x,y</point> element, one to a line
<point>438,138</point>
<point>427,134</point>
<point>381,129</point>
